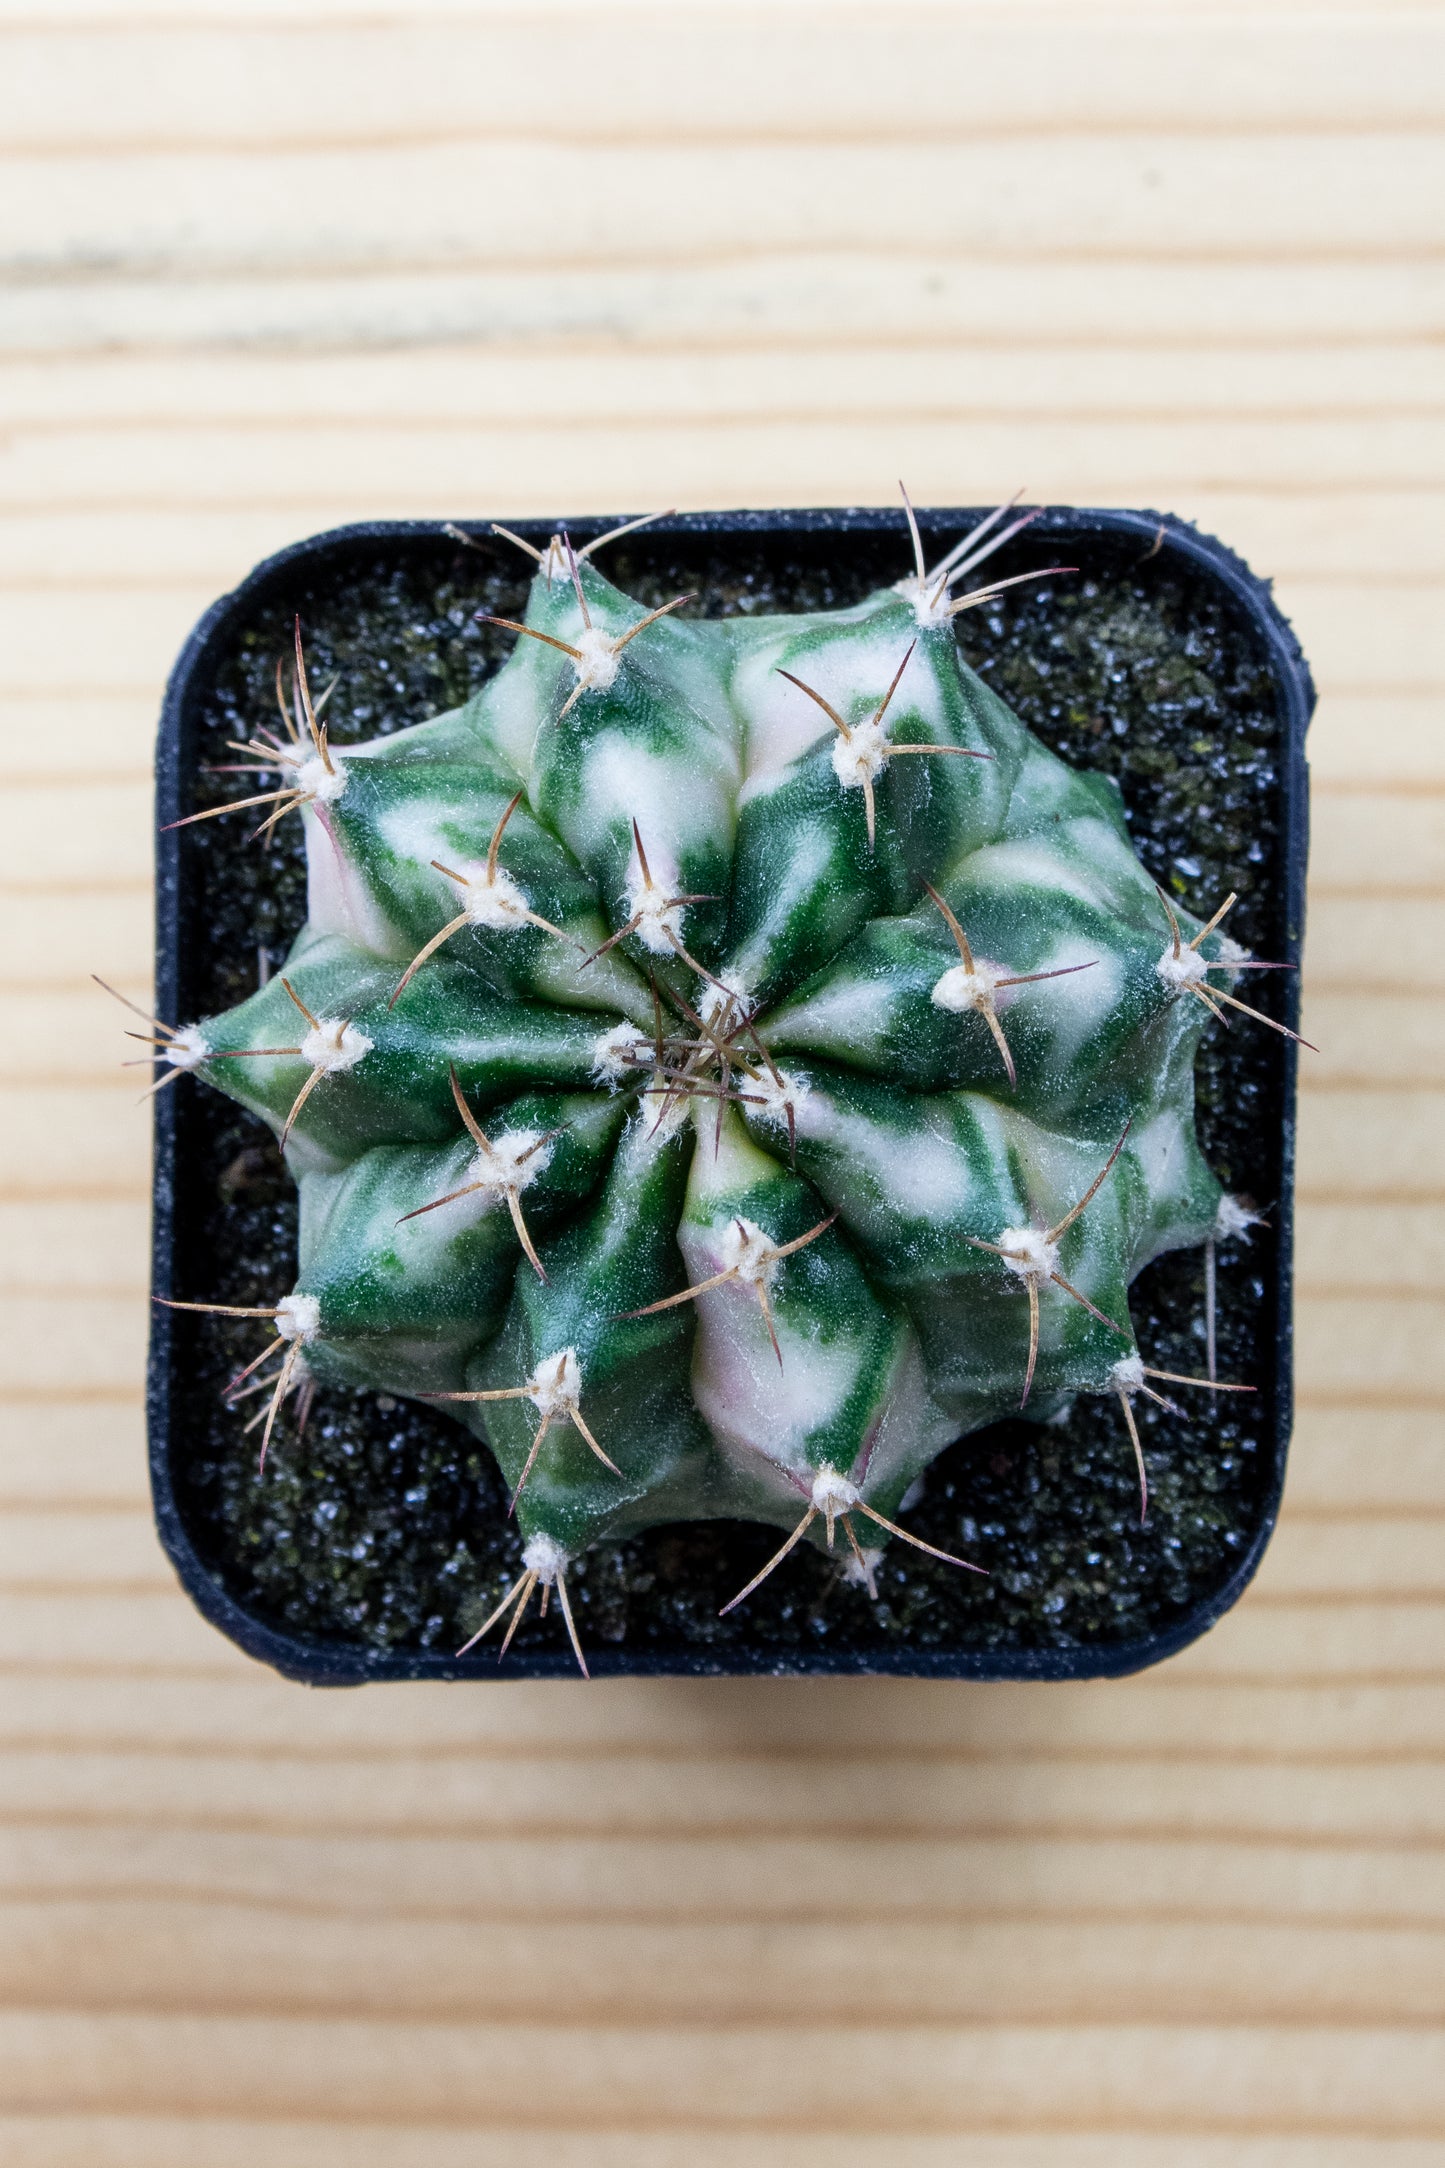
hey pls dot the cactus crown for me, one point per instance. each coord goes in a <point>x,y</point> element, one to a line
<point>725,1061</point>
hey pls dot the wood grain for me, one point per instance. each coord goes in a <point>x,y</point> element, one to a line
<point>272,269</point>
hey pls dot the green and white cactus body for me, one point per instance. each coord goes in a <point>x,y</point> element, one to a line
<point>787,1033</point>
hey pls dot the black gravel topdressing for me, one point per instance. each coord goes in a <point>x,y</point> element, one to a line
<point>381,1535</point>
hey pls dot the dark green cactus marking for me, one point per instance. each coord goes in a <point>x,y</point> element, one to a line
<point>827,1054</point>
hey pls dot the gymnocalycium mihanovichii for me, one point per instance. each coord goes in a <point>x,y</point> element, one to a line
<point>724,1063</point>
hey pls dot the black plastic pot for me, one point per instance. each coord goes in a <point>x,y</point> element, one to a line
<point>1210,754</point>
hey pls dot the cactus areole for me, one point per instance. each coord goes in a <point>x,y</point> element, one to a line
<point>727,1060</point>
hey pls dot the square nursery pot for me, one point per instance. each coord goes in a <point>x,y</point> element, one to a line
<point>370,1546</point>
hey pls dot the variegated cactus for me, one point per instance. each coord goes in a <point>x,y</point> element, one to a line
<point>725,1061</point>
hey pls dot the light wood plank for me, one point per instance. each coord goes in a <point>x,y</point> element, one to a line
<point>1363,839</point>
<point>1406,1042</point>
<point>154,1957</point>
<point>741,300</point>
<point>876,2079</point>
<point>59,937</point>
<point>468,1793</point>
<point>462,1793</point>
<point>445,389</point>
<point>814,453</point>
<point>529,1878</point>
<point>788,75</point>
<point>1376,1144</point>
<point>79,835</point>
<point>114,1549</point>
<point>1236,195</point>
<point>88,1451</point>
<point>1361,1457</point>
<point>70,1248</point>
<point>143,2141</point>
<point>1340,1561</point>
<point>1358,939</point>
<point>1182,255</point>
<point>90,1344</point>
<point>1356,1247</point>
<point>57,732</point>
<point>74,1141</point>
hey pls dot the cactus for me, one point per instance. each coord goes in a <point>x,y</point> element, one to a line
<point>724,1062</point>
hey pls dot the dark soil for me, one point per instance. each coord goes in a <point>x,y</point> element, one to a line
<point>384,1528</point>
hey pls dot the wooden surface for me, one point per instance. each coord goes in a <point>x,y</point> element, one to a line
<point>275,266</point>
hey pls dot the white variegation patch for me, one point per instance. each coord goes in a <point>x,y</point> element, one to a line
<point>1073,1006</point>
<point>1030,863</point>
<point>921,1172</point>
<point>851,1014</point>
<point>852,671</point>
<point>790,886</point>
<point>674,803</point>
<point>340,899</point>
<point>1157,1149</point>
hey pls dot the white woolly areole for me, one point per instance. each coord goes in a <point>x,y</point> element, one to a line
<point>547,1559</point>
<point>510,1162</point>
<point>1188,968</point>
<point>611,1052</point>
<point>333,1047</point>
<point>927,598</point>
<point>1235,1218</point>
<point>727,998</point>
<point>298,1317</point>
<point>555,1386</point>
<point>1029,1252</point>
<point>496,901</point>
<point>833,1493</point>
<point>777,1094</point>
<point>325,785</point>
<point>1230,952</point>
<point>656,918</point>
<point>597,662</point>
<point>961,989</point>
<point>186,1048</point>
<point>1127,1374</point>
<point>858,1572</point>
<point>746,1250</point>
<point>860,756</point>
